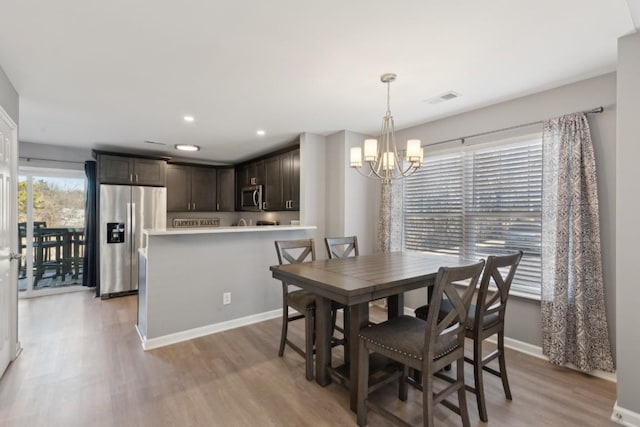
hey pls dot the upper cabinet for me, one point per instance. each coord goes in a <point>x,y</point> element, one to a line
<point>248,174</point>
<point>282,182</point>
<point>272,188</point>
<point>290,163</point>
<point>226,190</point>
<point>191,188</point>
<point>251,174</point>
<point>131,170</point>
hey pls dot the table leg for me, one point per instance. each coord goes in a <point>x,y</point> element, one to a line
<point>323,340</point>
<point>395,306</point>
<point>358,318</point>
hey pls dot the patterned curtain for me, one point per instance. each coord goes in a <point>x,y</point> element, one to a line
<point>574,322</point>
<point>390,218</point>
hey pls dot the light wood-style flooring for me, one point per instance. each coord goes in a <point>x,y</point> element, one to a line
<point>82,365</point>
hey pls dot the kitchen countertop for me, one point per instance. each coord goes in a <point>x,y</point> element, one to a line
<point>235,229</point>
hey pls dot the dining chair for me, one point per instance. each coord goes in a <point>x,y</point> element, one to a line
<point>485,319</point>
<point>341,247</point>
<point>426,346</point>
<point>291,252</point>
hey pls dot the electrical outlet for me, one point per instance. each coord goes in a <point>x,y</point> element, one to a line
<point>226,298</point>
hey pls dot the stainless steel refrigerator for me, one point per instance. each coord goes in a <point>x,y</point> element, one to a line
<point>125,211</point>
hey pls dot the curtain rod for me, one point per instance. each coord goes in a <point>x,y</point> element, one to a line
<point>28,159</point>
<point>596,110</point>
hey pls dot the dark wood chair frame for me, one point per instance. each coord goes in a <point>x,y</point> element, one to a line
<point>341,247</point>
<point>443,344</point>
<point>285,250</point>
<point>491,303</point>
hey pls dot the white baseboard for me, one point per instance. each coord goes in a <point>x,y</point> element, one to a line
<point>534,350</point>
<point>149,344</point>
<point>625,417</point>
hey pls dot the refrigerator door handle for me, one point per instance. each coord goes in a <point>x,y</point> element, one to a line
<point>129,232</point>
<point>132,229</point>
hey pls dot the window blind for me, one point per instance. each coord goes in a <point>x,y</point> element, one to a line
<point>478,202</point>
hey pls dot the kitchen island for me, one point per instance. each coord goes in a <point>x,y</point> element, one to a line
<point>185,274</point>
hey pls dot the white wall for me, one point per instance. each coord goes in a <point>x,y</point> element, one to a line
<point>313,178</point>
<point>52,156</point>
<point>627,230</point>
<point>349,194</point>
<point>523,315</point>
<point>9,99</point>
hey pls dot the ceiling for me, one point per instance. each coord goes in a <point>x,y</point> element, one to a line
<point>115,74</point>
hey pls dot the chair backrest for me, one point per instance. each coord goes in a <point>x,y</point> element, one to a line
<point>341,247</point>
<point>491,302</point>
<point>295,251</point>
<point>452,326</point>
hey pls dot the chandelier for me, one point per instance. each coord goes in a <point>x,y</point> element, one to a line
<point>384,159</point>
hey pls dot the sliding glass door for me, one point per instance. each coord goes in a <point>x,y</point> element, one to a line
<point>51,206</point>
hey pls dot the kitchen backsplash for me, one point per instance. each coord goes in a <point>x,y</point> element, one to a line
<point>231,218</point>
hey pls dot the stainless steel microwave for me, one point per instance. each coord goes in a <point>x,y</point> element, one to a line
<point>251,198</point>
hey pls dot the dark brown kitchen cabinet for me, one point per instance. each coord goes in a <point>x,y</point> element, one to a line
<point>131,170</point>
<point>191,188</point>
<point>226,190</point>
<point>272,188</point>
<point>282,182</point>
<point>290,165</point>
<point>252,174</point>
<point>247,175</point>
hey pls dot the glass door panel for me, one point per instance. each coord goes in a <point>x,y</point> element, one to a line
<point>52,221</point>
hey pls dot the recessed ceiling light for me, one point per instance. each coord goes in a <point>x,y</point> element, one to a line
<point>260,132</point>
<point>187,147</point>
<point>189,119</point>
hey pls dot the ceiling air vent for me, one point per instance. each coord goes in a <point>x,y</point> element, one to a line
<point>447,96</point>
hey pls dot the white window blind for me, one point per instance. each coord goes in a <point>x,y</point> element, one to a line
<point>483,200</point>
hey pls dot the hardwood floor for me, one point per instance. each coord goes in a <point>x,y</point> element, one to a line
<point>82,365</point>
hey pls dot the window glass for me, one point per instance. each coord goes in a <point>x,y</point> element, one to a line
<point>483,200</point>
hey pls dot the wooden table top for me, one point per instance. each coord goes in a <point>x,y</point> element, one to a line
<point>363,278</point>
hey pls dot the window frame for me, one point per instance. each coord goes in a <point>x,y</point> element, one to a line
<point>530,142</point>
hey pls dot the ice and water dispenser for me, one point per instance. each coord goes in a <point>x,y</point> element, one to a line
<point>115,232</point>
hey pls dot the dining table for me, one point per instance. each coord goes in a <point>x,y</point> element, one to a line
<point>355,282</point>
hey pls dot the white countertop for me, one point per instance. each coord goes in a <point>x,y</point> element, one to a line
<point>236,229</point>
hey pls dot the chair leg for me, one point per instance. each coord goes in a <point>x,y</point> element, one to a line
<point>345,324</point>
<point>402,390</point>
<point>427,397</point>
<point>477,376</point>
<point>309,323</point>
<point>503,366</point>
<point>462,396</point>
<point>285,325</point>
<point>334,318</point>
<point>363,382</point>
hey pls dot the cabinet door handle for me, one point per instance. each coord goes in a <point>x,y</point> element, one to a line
<point>264,205</point>
<point>217,206</point>
<point>130,177</point>
<point>189,206</point>
<point>137,178</point>
<point>194,206</point>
